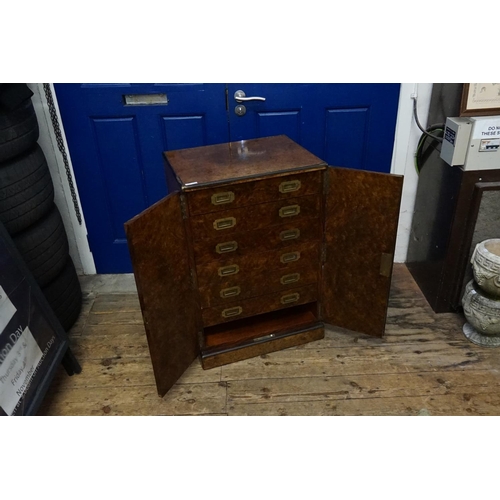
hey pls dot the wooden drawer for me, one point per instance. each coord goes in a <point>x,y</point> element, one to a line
<point>254,192</point>
<point>227,222</point>
<point>259,305</point>
<point>237,287</point>
<point>247,266</point>
<point>261,343</point>
<point>259,240</point>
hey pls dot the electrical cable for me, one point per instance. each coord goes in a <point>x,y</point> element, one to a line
<point>419,159</point>
<point>440,139</point>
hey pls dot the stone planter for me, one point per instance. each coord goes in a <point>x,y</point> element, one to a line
<point>486,266</point>
<point>483,316</point>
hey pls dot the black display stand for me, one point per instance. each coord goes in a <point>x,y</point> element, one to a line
<point>32,341</point>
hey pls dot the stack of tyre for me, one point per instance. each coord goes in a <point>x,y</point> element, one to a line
<point>27,208</point>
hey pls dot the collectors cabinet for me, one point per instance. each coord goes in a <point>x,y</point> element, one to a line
<point>257,246</point>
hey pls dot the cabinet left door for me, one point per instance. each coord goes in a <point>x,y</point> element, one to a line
<point>159,251</point>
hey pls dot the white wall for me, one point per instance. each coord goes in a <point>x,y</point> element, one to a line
<point>77,234</point>
<point>405,143</point>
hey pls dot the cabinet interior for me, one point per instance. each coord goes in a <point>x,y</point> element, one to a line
<point>260,327</point>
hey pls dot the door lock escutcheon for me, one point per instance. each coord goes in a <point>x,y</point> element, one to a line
<point>240,110</point>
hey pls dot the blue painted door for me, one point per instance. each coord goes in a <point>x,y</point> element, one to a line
<point>347,125</point>
<point>116,147</point>
<point>116,150</point>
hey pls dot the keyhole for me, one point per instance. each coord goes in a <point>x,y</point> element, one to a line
<point>240,110</point>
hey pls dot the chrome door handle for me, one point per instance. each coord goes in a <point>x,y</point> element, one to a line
<point>240,96</point>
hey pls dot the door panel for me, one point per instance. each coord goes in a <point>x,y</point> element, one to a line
<point>116,150</point>
<point>342,128</point>
<point>347,125</point>
<point>361,220</point>
<point>288,122</point>
<point>158,248</point>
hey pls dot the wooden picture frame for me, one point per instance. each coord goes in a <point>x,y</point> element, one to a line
<point>480,99</point>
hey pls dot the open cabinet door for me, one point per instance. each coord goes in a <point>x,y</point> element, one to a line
<point>361,221</point>
<point>158,249</point>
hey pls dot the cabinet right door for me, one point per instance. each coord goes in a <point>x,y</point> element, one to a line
<point>361,221</point>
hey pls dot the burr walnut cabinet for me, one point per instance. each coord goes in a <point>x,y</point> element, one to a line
<point>258,245</point>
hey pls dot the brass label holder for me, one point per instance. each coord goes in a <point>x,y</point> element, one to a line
<point>226,223</point>
<point>290,298</point>
<point>290,278</point>
<point>222,198</point>
<point>289,211</point>
<point>231,312</point>
<point>289,186</point>
<point>230,292</point>
<point>228,270</point>
<point>289,257</point>
<point>290,234</point>
<point>226,247</point>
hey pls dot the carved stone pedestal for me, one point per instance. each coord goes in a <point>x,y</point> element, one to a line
<point>481,300</point>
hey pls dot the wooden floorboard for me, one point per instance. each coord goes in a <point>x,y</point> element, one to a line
<point>422,366</point>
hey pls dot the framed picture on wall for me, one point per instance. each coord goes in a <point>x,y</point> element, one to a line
<point>480,99</point>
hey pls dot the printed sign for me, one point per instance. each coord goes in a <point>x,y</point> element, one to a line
<point>7,309</point>
<point>18,367</point>
<point>487,129</point>
<point>32,343</point>
<point>450,135</point>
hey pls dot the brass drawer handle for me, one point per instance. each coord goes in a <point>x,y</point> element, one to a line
<point>224,223</point>
<point>290,298</point>
<point>290,211</point>
<point>228,246</point>
<point>231,312</point>
<point>290,257</point>
<point>228,270</point>
<point>290,278</point>
<point>289,186</point>
<point>222,198</point>
<point>230,292</point>
<point>290,234</point>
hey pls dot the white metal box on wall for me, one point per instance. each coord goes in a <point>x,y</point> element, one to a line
<point>472,143</point>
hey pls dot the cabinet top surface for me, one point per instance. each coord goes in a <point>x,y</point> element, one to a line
<point>207,165</point>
